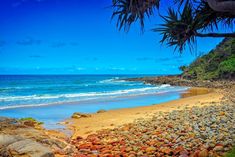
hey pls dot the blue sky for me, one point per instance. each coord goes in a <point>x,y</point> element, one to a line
<point>78,37</point>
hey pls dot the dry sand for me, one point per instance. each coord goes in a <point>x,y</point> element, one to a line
<point>113,118</point>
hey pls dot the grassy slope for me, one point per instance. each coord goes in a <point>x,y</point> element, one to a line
<point>217,64</point>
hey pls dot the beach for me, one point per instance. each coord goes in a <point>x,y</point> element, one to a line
<point>198,124</point>
<point>113,118</point>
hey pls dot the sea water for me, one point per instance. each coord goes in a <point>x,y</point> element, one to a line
<point>53,98</point>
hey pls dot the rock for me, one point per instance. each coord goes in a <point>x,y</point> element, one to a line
<point>5,119</point>
<point>17,146</point>
<point>101,111</point>
<point>6,140</point>
<point>218,148</point>
<point>222,113</point>
<point>77,115</point>
<point>203,153</point>
<point>150,149</point>
<point>191,132</point>
<point>166,150</point>
<point>30,123</point>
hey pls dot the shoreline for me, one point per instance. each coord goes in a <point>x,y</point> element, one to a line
<point>110,119</point>
<point>98,99</point>
<point>102,125</point>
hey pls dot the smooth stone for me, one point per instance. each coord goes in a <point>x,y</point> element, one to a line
<point>218,148</point>
<point>30,148</point>
<point>77,115</point>
<point>6,140</point>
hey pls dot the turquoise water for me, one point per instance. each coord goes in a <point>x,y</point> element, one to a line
<point>53,98</point>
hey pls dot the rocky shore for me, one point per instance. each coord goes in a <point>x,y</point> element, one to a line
<point>26,138</point>
<point>177,80</point>
<point>196,132</point>
<point>192,132</point>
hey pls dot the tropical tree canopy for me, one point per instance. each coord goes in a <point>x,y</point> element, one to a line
<point>185,21</point>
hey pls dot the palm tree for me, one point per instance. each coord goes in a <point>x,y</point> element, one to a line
<point>190,19</point>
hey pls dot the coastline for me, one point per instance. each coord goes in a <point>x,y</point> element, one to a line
<point>114,118</point>
<point>99,125</point>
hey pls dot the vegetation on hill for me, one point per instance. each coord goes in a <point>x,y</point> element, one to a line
<point>219,63</point>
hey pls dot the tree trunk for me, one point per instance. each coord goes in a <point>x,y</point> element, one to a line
<point>216,35</point>
<point>222,5</point>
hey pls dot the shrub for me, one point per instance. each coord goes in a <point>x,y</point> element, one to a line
<point>227,66</point>
<point>30,119</point>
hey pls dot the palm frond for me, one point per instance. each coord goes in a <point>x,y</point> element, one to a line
<point>129,11</point>
<point>179,29</point>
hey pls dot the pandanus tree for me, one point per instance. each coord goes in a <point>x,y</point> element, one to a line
<point>183,22</point>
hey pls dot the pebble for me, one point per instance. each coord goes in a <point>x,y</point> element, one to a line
<point>197,132</point>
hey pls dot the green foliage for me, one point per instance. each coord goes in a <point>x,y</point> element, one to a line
<point>230,153</point>
<point>178,30</point>
<point>183,68</point>
<point>217,64</point>
<point>30,119</point>
<point>227,66</point>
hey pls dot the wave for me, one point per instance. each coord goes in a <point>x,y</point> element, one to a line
<point>79,95</point>
<point>91,96</point>
<point>112,80</point>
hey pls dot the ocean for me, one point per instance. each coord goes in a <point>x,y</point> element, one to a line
<point>53,98</point>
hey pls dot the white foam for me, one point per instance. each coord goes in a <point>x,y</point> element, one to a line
<point>48,99</point>
<point>89,94</point>
<point>112,81</point>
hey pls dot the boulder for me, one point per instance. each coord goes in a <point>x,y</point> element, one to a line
<point>11,145</point>
<point>101,111</point>
<point>6,140</point>
<point>77,115</point>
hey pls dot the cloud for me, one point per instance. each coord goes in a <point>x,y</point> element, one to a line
<point>74,43</point>
<point>165,59</point>
<point>144,59</point>
<point>169,58</point>
<point>58,44</point>
<point>21,2</point>
<point>80,68</point>
<point>117,68</point>
<point>91,59</point>
<point>29,41</point>
<point>72,69</point>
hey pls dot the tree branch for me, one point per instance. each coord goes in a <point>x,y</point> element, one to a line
<point>216,35</point>
<point>222,5</point>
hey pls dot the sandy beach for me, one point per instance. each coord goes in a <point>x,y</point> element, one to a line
<point>113,118</point>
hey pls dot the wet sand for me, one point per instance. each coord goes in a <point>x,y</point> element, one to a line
<point>113,118</point>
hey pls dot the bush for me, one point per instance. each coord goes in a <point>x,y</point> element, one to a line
<point>217,64</point>
<point>30,119</point>
<point>227,66</point>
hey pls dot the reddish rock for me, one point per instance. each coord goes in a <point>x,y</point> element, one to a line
<point>150,149</point>
<point>203,153</point>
